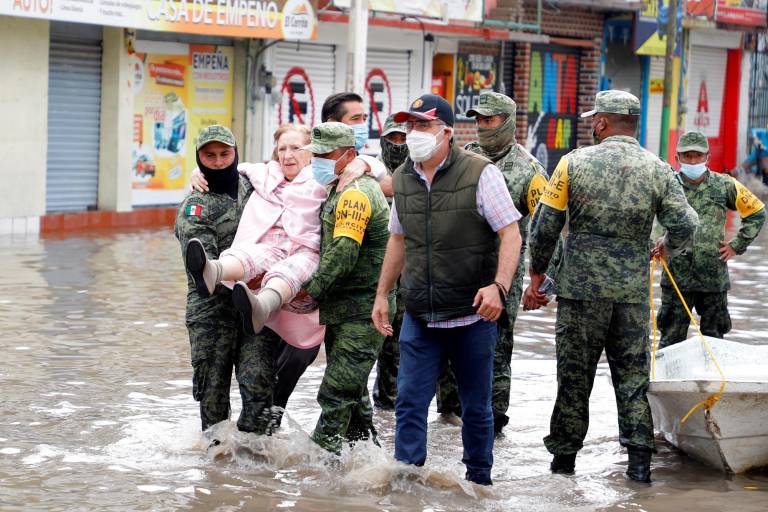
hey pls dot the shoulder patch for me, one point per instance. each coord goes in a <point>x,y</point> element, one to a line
<point>556,192</point>
<point>535,190</point>
<point>193,210</point>
<point>353,212</point>
<point>747,203</point>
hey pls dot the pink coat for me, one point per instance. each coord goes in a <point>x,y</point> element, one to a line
<point>299,213</point>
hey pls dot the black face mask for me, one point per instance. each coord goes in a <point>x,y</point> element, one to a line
<point>393,154</point>
<point>221,181</point>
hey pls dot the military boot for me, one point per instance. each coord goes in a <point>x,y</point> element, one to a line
<point>639,467</point>
<point>563,464</point>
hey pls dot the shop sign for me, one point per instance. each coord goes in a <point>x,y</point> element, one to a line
<point>474,74</point>
<point>273,19</point>
<point>176,95</point>
<point>464,10</point>
<point>743,12</point>
<point>297,105</point>
<point>552,104</point>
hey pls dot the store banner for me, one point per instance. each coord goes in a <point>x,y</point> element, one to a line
<point>552,103</point>
<point>271,19</point>
<point>474,74</point>
<point>752,13</point>
<point>463,10</point>
<point>650,28</point>
<point>178,90</point>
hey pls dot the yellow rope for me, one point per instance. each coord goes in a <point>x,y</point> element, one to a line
<point>710,401</point>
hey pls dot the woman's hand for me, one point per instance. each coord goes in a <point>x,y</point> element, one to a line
<point>198,181</point>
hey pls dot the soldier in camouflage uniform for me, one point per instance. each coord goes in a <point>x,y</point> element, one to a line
<point>526,180</point>
<point>353,243</point>
<point>608,194</point>
<point>215,331</point>
<point>394,151</point>
<point>701,272</point>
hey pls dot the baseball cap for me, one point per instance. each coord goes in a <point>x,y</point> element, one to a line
<point>615,102</point>
<point>427,107</point>
<point>390,126</point>
<point>693,141</point>
<point>493,103</point>
<point>215,133</point>
<point>329,136</point>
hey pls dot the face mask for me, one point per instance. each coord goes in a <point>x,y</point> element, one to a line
<point>595,139</point>
<point>221,181</point>
<point>324,170</point>
<point>361,135</point>
<point>693,171</point>
<point>495,141</point>
<point>421,145</point>
<point>393,154</point>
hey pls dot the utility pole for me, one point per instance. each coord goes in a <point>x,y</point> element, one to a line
<point>668,70</point>
<point>357,45</point>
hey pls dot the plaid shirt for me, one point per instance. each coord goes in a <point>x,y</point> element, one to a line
<point>493,203</point>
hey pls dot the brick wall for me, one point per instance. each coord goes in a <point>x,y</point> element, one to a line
<point>566,21</point>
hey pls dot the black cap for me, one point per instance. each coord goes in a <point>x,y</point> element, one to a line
<point>427,107</point>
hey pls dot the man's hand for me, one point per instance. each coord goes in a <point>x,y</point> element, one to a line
<point>380,315</point>
<point>532,297</point>
<point>488,303</point>
<point>660,250</point>
<point>198,181</point>
<point>726,251</point>
<point>352,171</point>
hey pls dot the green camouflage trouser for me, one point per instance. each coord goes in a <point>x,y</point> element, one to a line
<point>351,350</point>
<point>673,321</point>
<point>447,393</point>
<point>215,350</point>
<point>385,387</point>
<point>583,330</point>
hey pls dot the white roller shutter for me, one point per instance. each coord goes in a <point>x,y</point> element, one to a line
<point>305,75</point>
<point>655,104</point>
<point>388,80</point>
<point>74,106</point>
<point>706,85</point>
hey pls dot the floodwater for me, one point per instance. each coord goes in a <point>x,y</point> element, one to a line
<point>97,412</point>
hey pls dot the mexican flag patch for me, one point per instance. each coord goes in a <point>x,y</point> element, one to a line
<point>194,210</point>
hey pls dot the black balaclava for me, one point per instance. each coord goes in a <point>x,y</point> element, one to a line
<point>393,154</point>
<point>221,181</point>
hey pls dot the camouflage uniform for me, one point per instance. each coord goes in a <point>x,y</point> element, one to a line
<point>609,195</point>
<point>526,179</point>
<point>352,250</point>
<point>699,272</point>
<point>385,387</point>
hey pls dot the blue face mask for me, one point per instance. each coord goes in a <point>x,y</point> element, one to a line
<point>324,170</point>
<point>361,135</point>
<point>693,171</point>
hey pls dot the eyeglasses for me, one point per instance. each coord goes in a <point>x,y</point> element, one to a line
<point>420,125</point>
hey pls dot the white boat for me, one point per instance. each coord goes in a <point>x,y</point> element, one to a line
<point>733,435</point>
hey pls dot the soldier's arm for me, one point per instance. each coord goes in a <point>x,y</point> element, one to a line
<point>193,221</point>
<point>549,218</point>
<point>676,215</point>
<point>752,212</point>
<point>339,257</point>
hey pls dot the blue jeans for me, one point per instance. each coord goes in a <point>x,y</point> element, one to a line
<point>423,352</point>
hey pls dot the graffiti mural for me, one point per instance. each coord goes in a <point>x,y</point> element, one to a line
<point>552,103</point>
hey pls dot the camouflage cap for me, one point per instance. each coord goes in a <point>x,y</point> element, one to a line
<point>329,136</point>
<point>215,133</point>
<point>390,126</point>
<point>693,141</point>
<point>493,103</point>
<point>615,102</point>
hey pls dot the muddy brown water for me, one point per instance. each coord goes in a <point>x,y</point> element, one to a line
<point>97,413</point>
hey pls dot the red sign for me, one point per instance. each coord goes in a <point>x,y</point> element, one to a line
<point>745,12</point>
<point>298,100</point>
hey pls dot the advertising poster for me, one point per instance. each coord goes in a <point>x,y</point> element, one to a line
<point>178,90</point>
<point>474,74</point>
<point>552,103</point>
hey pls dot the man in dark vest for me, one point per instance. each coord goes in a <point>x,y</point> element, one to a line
<point>455,238</point>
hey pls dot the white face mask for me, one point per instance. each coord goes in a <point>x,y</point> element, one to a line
<point>421,145</point>
<point>693,171</point>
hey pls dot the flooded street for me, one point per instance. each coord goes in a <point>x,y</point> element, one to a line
<point>97,409</point>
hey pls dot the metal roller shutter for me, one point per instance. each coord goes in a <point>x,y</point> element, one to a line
<point>305,76</point>
<point>74,107</point>
<point>387,84</point>
<point>706,87</point>
<point>655,104</point>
